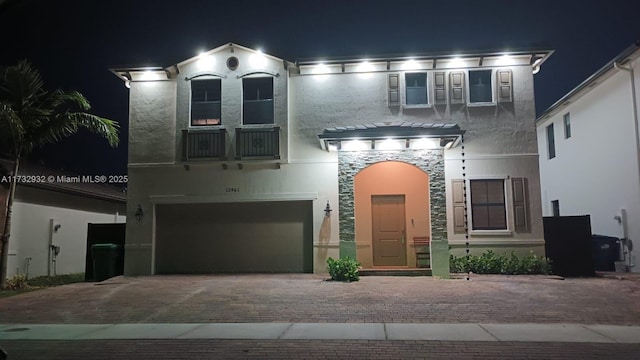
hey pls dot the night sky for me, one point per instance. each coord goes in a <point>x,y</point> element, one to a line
<point>74,42</point>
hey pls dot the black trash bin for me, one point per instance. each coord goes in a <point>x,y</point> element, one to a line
<point>605,251</point>
<point>105,259</point>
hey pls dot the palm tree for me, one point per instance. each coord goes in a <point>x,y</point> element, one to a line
<point>31,117</point>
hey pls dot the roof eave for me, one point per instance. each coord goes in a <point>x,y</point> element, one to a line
<point>594,77</point>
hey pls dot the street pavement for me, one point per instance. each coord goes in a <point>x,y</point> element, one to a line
<point>298,316</point>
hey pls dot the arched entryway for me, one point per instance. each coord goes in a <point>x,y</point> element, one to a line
<point>391,207</point>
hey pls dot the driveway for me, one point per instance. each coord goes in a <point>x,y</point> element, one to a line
<point>308,298</point>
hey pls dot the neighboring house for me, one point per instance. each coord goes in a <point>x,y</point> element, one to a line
<point>590,150</point>
<point>55,213</point>
<point>236,158</point>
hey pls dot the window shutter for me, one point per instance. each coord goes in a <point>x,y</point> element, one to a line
<point>394,89</point>
<point>456,79</point>
<point>440,88</point>
<point>505,86</point>
<point>458,207</point>
<point>521,204</point>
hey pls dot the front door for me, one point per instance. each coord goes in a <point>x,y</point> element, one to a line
<point>389,243</point>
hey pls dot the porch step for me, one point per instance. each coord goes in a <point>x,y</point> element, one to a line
<point>395,272</point>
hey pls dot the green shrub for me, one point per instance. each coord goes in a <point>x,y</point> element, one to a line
<point>492,263</point>
<point>17,282</point>
<point>343,269</point>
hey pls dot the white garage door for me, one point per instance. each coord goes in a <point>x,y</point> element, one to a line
<point>234,237</point>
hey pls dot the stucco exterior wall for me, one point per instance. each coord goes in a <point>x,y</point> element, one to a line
<point>595,171</point>
<point>205,183</point>
<point>321,101</point>
<point>33,212</point>
<point>231,86</point>
<point>500,137</point>
<point>152,122</point>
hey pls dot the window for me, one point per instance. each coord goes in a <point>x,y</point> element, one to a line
<point>555,206</point>
<point>488,211</point>
<point>416,88</point>
<point>205,102</point>
<point>257,100</point>
<point>480,86</point>
<point>567,125</point>
<point>551,143</point>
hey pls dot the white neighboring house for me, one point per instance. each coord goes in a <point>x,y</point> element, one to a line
<point>590,151</point>
<point>57,214</point>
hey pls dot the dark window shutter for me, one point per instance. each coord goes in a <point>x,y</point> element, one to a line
<point>458,207</point>
<point>394,89</point>
<point>505,85</point>
<point>456,80</point>
<point>521,204</point>
<point>440,88</point>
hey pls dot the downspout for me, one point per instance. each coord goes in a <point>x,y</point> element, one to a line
<point>635,117</point>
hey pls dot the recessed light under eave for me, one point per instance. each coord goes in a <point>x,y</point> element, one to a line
<point>396,136</point>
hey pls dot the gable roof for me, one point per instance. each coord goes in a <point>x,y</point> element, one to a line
<point>224,47</point>
<point>630,53</point>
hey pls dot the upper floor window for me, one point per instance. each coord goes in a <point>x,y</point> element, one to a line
<point>480,89</point>
<point>488,206</point>
<point>205,102</point>
<point>416,88</point>
<point>567,125</point>
<point>551,142</point>
<point>555,207</point>
<point>257,100</point>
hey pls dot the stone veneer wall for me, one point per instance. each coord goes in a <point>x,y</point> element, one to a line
<point>351,163</point>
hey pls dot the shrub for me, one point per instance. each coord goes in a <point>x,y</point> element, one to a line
<point>343,269</point>
<point>17,282</point>
<point>492,263</point>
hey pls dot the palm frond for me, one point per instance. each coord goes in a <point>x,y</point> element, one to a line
<point>32,117</point>
<point>67,124</point>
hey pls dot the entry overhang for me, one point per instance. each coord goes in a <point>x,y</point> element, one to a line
<point>407,135</point>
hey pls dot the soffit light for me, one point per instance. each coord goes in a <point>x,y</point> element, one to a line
<point>505,60</point>
<point>150,75</point>
<point>355,145</point>
<point>456,62</point>
<point>258,59</point>
<point>410,64</point>
<point>390,144</point>
<point>425,144</point>
<point>320,69</point>
<point>365,66</point>
<point>205,62</point>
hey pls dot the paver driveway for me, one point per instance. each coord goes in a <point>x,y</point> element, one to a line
<point>308,298</point>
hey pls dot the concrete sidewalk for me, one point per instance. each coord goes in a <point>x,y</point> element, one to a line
<point>563,333</point>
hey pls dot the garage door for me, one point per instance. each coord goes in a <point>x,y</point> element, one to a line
<point>234,237</point>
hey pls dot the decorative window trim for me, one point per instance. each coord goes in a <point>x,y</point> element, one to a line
<point>205,73</point>
<point>203,127</point>
<point>244,102</point>
<point>258,72</point>
<point>427,87</point>
<point>508,205</point>
<point>493,101</point>
<point>418,106</point>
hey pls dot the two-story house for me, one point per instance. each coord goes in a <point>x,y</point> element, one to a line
<point>581,174</point>
<point>244,162</point>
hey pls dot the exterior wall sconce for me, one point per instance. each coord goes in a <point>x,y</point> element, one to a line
<point>139,213</point>
<point>327,210</point>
